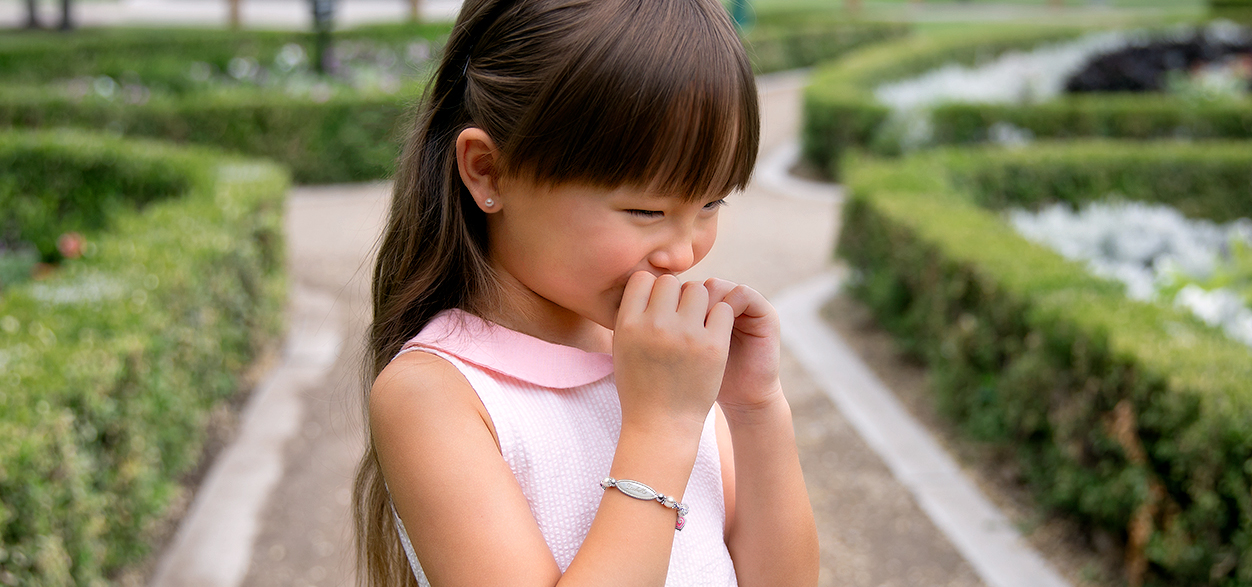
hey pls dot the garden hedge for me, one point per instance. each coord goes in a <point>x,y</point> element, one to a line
<point>110,368</point>
<point>1130,417</point>
<point>345,138</point>
<point>161,57</point>
<point>349,137</point>
<point>841,111</point>
<point>1238,10</point>
<point>792,39</point>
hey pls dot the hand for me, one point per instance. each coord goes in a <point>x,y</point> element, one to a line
<point>669,351</point>
<point>751,378</point>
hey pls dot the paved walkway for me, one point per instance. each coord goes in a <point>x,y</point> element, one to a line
<point>262,521</point>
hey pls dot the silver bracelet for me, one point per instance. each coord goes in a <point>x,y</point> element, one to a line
<point>638,490</point>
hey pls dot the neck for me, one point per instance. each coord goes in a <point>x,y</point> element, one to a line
<point>523,311</point>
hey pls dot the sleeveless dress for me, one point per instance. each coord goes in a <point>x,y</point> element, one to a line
<point>557,415</point>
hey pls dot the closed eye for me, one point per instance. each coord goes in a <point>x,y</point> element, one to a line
<point>646,213</point>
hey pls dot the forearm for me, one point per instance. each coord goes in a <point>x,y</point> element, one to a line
<point>629,542</point>
<point>773,537</point>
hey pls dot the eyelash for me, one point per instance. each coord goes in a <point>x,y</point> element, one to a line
<point>655,213</point>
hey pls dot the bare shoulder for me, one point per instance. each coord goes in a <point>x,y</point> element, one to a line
<point>422,391</point>
<point>434,440</point>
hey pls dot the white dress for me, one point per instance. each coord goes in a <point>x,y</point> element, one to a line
<point>556,413</point>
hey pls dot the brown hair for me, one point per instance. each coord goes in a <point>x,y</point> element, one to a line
<point>649,93</point>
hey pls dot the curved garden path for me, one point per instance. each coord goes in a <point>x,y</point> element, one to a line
<point>872,531</point>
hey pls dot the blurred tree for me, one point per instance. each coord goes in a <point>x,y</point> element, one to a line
<point>323,17</point>
<point>67,23</point>
<point>852,6</point>
<point>415,10</point>
<point>32,14</point>
<point>234,17</point>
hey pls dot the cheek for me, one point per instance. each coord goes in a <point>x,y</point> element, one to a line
<point>702,241</point>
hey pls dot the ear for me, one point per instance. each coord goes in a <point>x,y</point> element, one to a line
<point>476,157</point>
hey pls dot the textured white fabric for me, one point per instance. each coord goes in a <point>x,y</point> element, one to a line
<point>559,444</point>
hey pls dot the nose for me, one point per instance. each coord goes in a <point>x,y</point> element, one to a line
<point>676,255</point>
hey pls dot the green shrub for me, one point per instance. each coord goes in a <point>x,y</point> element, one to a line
<point>1128,116</point>
<point>841,112</point>
<point>346,138</point>
<point>1237,10</point>
<point>162,57</point>
<point>783,40</point>
<point>109,369</point>
<point>350,136</point>
<point>1131,417</point>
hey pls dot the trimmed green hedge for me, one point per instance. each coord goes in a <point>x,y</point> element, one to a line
<point>791,39</point>
<point>110,368</point>
<point>1130,417</point>
<point>1126,116</point>
<point>346,138</point>
<point>1239,10</point>
<point>841,112</point>
<point>162,57</point>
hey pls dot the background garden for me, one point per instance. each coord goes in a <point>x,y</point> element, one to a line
<point>1051,213</point>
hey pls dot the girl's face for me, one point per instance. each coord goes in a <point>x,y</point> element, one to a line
<point>571,248</point>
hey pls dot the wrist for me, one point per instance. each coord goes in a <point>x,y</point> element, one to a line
<point>772,407</point>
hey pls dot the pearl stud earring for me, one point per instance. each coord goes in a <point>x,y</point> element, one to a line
<point>490,203</point>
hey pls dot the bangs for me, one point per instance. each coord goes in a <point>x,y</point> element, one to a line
<point>657,94</point>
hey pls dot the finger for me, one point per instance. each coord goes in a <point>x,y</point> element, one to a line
<point>747,302</point>
<point>665,293</point>
<point>635,296</point>
<point>694,303</point>
<point>718,288</point>
<point>721,321</point>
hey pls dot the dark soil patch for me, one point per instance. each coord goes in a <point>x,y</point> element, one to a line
<point>1147,67</point>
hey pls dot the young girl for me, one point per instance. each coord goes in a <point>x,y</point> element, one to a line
<point>550,405</point>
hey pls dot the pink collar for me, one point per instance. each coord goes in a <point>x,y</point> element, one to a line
<point>511,353</point>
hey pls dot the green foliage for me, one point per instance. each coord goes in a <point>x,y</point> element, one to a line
<point>1129,116</point>
<point>841,113</point>
<point>1209,180</point>
<point>109,369</point>
<point>347,137</point>
<point>791,39</point>
<point>1127,416</point>
<point>161,57</point>
<point>1237,10</point>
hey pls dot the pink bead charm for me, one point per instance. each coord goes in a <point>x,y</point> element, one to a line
<point>681,522</point>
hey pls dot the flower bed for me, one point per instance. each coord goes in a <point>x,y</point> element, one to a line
<point>1129,416</point>
<point>841,110</point>
<point>1158,254</point>
<point>110,367</point>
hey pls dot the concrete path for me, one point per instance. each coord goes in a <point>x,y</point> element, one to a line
<point>773,236</point>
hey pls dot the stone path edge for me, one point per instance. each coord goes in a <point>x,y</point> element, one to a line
<point>980,532</point>
<point>213,544</point>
